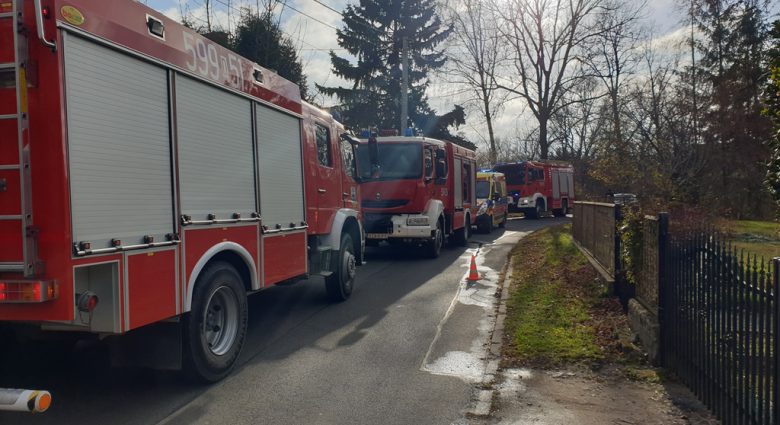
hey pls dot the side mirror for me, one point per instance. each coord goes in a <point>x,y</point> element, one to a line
<point>373,154</point>
<point>428,180</point>
<point>441,168</point>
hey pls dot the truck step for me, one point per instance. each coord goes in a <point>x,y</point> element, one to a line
<point>9,117</point>
<point>9,65</point>
<point>322,248</point>
<point>6,15</point>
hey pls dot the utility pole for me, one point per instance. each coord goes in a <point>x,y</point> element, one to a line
<point>405,88</point>
<point>693,79</point>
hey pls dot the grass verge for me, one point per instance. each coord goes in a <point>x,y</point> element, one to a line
<point>556,310</point>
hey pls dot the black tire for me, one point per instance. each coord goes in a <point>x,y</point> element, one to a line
<point>339,284</point>
<point>537,211</point>
<point>460,237</point>
<point>433,247</point>
<point>563,210</point>
<point>503,222</point>
<point>487,226</point>
<point>219,297</point>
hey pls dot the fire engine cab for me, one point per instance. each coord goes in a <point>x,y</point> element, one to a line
<point>538,186</point>
<point>422,192</point>
<point>151,179</point>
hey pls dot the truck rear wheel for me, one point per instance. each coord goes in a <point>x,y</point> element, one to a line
<point>563,210</point>
<point>487,225</point>
<point>461,236</point>
<point>214,331</point>
<point>339,284</point>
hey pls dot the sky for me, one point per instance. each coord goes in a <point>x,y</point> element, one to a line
<point>312,25</point>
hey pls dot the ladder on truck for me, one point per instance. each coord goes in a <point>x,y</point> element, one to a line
<point>14,75</point>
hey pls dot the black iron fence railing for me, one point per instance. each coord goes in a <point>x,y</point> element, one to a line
<point>715,306</point>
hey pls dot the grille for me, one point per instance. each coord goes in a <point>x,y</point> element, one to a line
<point>390,203</point>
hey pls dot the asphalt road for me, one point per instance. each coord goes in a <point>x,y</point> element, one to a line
<point>408,347</point>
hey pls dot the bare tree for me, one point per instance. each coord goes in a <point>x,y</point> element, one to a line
<point>546,38</point>
<point>475,52</point>
<point>575,127</point>
<point>613,56</point>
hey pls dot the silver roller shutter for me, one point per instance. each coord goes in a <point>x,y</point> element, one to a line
<point>216,168</point>
<point>556,184</point>
<point>458,183</point>
<point>118,145</point>
<point>279,165</point>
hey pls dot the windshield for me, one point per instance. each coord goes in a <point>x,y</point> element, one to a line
<point>397,161</point>
<point>515,173</point>
<point>483,190</point>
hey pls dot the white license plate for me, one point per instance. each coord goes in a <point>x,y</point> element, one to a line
<point>377,235</point>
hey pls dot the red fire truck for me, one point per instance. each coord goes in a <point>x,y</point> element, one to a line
<point>422,192</point>
<point>151,179</point>
<point>538,186</point>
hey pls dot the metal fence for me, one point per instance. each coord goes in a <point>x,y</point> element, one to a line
<point>718,317</point>
<point>594,227</point>
<point>715,305</point>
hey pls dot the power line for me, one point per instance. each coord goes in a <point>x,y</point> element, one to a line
<point>284,2</point>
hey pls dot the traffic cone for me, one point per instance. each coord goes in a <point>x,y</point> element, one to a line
<point>473,275</point>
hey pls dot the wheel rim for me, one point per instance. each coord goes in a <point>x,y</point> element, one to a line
<point>220,321</point>
<point>538,209</point>
<point>565,209</point>
<point>349,267</point>
<point>439,238</point>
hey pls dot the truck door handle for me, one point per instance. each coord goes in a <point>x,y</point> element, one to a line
<point>321,190</point>
<point>345,194</point>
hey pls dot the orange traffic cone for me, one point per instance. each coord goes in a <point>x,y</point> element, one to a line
<point>473,275</point>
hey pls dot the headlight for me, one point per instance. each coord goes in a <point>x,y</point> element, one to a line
<point>417,221</point>
<point>482,209</point>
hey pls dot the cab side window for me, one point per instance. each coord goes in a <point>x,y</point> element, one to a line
<point>541,174</point>
<point>532,175</point>
<point>323,146</point>
<point>348,157</point>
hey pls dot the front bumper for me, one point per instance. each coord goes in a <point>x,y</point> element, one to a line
<point>483,218</point>
<point>394,226</point>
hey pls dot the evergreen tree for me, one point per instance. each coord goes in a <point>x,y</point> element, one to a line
<point>730,74</point>
<point>374,35</point>
<point>259,38</point>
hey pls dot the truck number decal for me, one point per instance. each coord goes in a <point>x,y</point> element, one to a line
<point>210,60</point>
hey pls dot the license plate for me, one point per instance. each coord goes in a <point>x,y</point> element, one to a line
<point>377,235</point>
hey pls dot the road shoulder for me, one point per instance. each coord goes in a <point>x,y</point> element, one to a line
<point>616,391</point>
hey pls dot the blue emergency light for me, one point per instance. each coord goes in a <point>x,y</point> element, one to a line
<point>366,133</point>
<point>408,132</point>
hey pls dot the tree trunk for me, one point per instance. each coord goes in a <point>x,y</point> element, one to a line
<point>493,155</point>
<point>543,147</point>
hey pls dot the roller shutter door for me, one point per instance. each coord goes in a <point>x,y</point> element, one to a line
<point>458,183</point>
<point>279,165</point>
<point>216,165</point>
<point>118,145</point>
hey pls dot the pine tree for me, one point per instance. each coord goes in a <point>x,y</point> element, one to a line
<point>374,35</point>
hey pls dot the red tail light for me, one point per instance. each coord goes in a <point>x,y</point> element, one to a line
<point>29,291</point>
